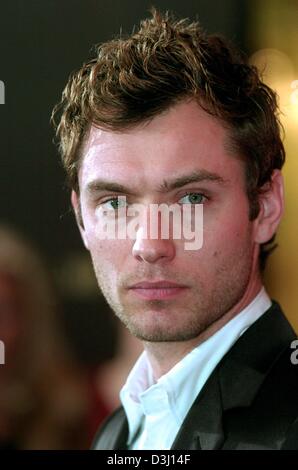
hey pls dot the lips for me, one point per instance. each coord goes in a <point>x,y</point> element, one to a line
<point>159,290</point>
<point>155,285</point>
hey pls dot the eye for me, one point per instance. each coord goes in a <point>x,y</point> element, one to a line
<point>114,203</point>
<point>193,198</point>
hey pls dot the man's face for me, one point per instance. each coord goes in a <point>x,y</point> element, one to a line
<point>212,280</point>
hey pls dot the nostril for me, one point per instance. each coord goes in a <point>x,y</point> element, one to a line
<point>151,251</point>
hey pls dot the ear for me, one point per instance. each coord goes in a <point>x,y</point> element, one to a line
<point>76,205</point>
<point>271,200</point>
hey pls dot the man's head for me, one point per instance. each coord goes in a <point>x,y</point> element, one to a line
<point>132,80</point>
<point>149,111</point>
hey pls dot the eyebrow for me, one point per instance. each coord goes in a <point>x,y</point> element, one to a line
<point>197,176</point>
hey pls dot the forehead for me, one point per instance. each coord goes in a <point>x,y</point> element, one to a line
<point>181,139</point>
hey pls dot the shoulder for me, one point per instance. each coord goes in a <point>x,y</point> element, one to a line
<point>275,408</point>
<point>259,384</point>
<point>281,389</point>
<point>291,441</point>
<point>282,379</point>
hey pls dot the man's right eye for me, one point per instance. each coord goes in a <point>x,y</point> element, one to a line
<point>114,203</point>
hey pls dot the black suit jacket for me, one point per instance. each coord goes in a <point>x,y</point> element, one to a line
<point>250,401</point>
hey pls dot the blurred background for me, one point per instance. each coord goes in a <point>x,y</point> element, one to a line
<point>77,354</point>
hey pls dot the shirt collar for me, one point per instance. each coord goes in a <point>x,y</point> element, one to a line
<point>179,387</point>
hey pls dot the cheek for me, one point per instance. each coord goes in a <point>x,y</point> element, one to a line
<point>226,237</point>
<point>108,255</point>
<point>232,225</point>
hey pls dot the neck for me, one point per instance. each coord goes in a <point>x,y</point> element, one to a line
<point>163,356</point>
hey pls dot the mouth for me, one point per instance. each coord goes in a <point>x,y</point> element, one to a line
<point>159,290</point>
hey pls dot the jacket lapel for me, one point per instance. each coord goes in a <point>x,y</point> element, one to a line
<point>235,382</point>
<point>245,367</point>
<point>202,428</point>
<point>115,433</point>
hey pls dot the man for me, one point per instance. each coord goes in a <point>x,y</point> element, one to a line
<point>174,117</point>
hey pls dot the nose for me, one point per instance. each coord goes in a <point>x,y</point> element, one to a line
<point>152,250</point>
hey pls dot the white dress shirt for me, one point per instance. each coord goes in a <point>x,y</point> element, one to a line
<point>156,410</point>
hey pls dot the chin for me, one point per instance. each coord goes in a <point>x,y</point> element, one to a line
<point>161,334</point>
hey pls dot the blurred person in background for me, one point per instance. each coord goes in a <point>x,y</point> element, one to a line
<point>43,398</point>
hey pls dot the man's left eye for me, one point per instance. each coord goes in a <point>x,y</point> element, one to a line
<point>193,198</point>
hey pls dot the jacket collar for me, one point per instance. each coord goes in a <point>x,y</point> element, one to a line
<point>115,434</point>
<point>236,381</point>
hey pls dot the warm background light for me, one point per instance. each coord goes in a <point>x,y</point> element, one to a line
<point>274,37</point>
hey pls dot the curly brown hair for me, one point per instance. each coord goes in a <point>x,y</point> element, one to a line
<point>131,80</point>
